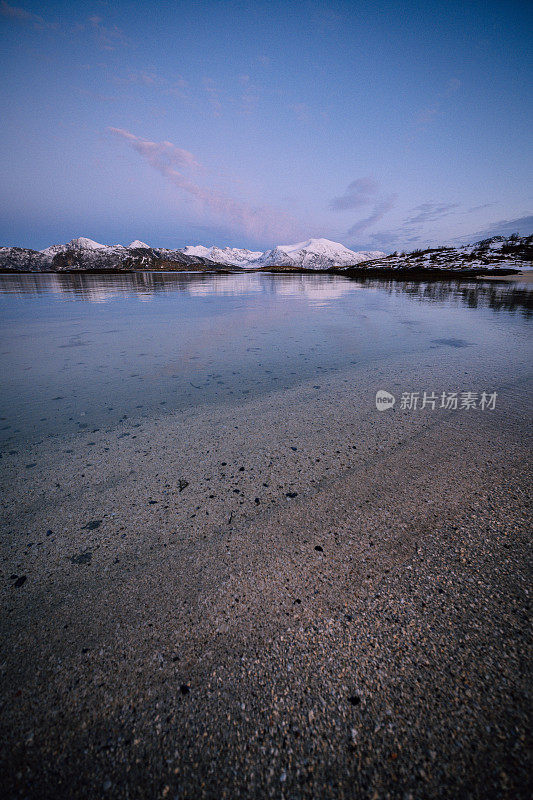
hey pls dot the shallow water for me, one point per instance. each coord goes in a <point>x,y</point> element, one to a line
<point>82,351</point>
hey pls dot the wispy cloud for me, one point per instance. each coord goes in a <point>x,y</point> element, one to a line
<point>504,227</point>
<point>108,37</point>
<point>381,208</point>
<point>412,227</point>
<point>162,156</point>
<point>407,234</point>
<point>26,17</point>
<point>102,98</point>
<point>481,207</point>
<point>358,193</point>
<point>429,212</point>
<point>150,79</point>
<point>171,162</point>
<point>144,78</point>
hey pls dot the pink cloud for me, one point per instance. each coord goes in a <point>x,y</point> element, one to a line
<point>162,156</point>
<point>170,161</point>
<point>21,15</point>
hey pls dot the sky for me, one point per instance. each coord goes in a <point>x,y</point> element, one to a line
<point>380,125</point>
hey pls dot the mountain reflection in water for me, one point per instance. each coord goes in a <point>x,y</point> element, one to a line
<point>498,296</point>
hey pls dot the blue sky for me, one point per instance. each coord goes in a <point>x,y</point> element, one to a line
<point>380,125</point>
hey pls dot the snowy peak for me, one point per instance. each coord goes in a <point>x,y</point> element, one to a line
<point>85,244</point>
<point>314,254</point>
<point>232,256</point>
<point>81,244</point>
<point>138,245</point>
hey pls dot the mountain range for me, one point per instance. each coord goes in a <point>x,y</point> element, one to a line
<point>84,254</point>
<point>311,254</point>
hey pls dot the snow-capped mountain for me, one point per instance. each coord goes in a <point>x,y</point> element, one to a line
<point>84,254</point>
<point>233,256</point>
<point>314,254</point>
<point>76,244</point>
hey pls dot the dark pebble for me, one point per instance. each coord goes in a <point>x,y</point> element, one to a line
<point>354,700</point>
<point>319,549</point>
<point>83,558</point>
<point>182,484</point>
<point>291,494</point>
<point>29,466</point>
<point>20,581</point>
<point>184,688</point>
<point>92,525</point>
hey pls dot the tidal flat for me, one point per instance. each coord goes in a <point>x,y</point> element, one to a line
<point>225,573</point>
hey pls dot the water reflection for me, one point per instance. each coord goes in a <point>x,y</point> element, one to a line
<point>149,341</point>
<point>318,290</point>
<point>504,296</point>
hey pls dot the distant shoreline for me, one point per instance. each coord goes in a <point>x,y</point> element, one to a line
<point>347,272</point>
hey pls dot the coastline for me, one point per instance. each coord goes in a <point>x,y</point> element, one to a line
<point>349,272</point>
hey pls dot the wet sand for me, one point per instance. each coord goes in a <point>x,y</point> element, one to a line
<point>295,597</point>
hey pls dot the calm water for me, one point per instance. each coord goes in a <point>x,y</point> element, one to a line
<point>80,351</point>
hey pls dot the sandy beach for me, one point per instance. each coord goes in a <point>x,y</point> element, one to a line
<point>266,383</point>
<point>297,596</point>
